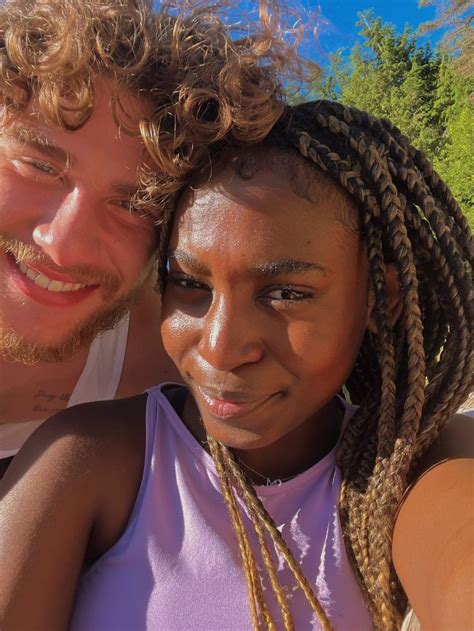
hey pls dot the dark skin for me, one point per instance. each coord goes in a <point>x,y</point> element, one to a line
<point>79,479</point>
<point>79,474</point>
<point>266,325</point>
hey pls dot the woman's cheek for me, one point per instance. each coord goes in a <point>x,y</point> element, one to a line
<point>177,330</point>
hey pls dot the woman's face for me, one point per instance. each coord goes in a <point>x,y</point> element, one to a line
<point>265,306</point>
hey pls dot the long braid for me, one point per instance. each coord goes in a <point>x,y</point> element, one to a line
<point>261,519</point>
<point>254,584</point>
<point>410,377</point>
<point>251,498</point>
<point>346,143</point>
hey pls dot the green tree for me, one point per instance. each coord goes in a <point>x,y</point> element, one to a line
<point>456,17</point>
<point>455,159</point>
<point>390,75</point>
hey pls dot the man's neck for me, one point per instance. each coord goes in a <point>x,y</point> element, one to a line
<point>29,393</point>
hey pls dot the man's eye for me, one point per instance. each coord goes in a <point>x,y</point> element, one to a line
<point>126,204</point>
<point>44,166</point>
<point>287,294</point>
<point>39,165</point>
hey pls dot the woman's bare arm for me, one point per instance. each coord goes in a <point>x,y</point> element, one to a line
<point>433,544</point>
<point>59,504</point>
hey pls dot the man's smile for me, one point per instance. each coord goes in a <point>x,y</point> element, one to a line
<point>42,287</point>
<point>47,281</point>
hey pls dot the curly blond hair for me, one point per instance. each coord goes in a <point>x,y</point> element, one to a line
<point>202,86</point>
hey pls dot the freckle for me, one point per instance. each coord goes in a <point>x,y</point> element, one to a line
<point>308,242</point>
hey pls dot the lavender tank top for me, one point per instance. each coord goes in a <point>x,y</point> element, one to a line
<point>177,565</point>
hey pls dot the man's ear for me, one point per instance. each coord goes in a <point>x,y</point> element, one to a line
<point>395,304</point>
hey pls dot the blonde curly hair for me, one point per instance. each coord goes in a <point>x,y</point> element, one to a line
<point>203,86</point>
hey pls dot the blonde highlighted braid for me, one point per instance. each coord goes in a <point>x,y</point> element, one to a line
<point>228,470</point>
<point>410,377</point>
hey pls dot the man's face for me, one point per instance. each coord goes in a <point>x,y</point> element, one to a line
<point>72,254</point>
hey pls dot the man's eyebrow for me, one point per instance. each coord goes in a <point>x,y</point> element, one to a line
<point>124,189</point>
<point>287,266</point>
<point>38,142</point>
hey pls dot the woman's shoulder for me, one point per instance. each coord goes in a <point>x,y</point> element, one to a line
<point>65,499</point>
<point>98,430</point>
<point>90,455</point>
<point>455,441</point>
<point>447,464</point>
<point>433,538</point>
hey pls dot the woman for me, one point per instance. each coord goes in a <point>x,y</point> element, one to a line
<point>329,258</point>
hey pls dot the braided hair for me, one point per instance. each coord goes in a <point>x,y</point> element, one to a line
<point>408,379</point>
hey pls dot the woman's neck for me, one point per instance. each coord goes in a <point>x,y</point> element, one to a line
<point>287,457</point>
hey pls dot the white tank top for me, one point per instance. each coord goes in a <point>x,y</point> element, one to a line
<point>99,381</point>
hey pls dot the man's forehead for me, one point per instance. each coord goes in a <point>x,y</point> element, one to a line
<point>121,104</point>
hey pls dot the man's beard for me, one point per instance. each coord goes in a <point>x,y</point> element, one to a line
<point>14,347</point>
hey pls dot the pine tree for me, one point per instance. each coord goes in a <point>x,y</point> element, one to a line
<point>391,76</point>
<point>456,17</point>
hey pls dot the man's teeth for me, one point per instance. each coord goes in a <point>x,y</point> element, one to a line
<point>48,283</point>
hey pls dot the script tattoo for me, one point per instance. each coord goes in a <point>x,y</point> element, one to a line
<point>48,403</point>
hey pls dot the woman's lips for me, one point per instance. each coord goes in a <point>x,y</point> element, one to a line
<point>231,404</point>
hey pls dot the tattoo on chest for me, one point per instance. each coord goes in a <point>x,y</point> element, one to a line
<point>48,402</point>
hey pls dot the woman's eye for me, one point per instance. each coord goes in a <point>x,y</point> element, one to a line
<point>287,294</point>
<point>186,282</point>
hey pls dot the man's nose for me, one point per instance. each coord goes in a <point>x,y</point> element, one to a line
<point>230,335</point>
<point>69,233</point>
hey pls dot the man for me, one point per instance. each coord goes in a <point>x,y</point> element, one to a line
<point>97,134</point>
<point>72,260</point>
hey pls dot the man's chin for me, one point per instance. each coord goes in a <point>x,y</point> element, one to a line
<point>20,349</point>
<point>14,347</point>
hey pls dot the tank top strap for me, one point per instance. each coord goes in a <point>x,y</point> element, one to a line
<point>101,374</point>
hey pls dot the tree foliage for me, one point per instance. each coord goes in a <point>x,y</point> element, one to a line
<point>456,17</point>
<point>392,76</point>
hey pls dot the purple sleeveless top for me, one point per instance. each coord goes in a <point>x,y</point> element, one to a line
<point>177,566</point>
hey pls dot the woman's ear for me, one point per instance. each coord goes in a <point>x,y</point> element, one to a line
<point>395,304</point>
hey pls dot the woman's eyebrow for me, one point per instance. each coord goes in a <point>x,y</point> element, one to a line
<point>286,266</point>
<point>270,268</point>
<point>191,262</point>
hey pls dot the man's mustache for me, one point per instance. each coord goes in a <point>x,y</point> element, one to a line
<point>85,274</point>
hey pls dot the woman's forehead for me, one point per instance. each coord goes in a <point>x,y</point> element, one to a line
<point>251,222</point>
<point>281,190</point>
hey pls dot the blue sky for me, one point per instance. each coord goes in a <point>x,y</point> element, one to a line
<point>339,18</point>
<point>334,21</point>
